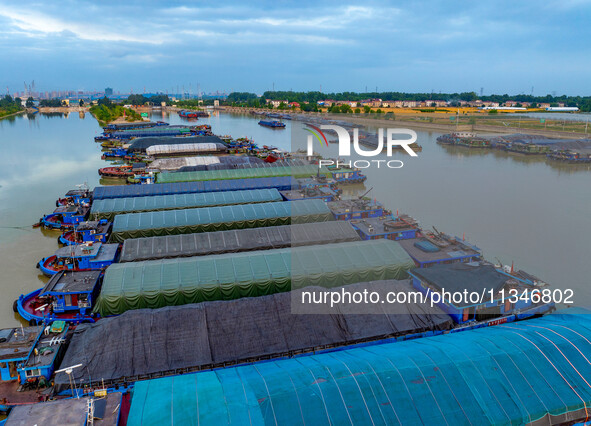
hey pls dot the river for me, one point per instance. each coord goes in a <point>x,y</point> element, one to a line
<point>516,208</point>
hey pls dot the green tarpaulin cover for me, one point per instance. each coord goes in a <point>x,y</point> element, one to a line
<point>187,221</point>
<point>295,171</point>
<point>108,208</point>
<point>168,282</point>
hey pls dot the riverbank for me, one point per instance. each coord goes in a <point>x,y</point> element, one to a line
<point>63,109</point>
<point>504,123</point>
<point>11,115</point>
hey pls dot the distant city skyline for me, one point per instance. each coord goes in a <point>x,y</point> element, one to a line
<point>436,46</point>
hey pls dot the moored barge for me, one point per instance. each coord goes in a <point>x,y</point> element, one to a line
<point>67,296</point>
<point>274,124</point>
<point>81,257</point>
<point>65,217</point>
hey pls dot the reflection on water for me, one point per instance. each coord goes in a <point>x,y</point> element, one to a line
<point>515,207</point>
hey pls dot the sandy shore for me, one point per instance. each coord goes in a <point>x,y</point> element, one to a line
<point>435,127</point>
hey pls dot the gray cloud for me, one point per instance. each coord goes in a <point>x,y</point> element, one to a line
<point>436,45</point>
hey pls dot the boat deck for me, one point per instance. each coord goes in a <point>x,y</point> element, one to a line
<point>82,250</point>
<point>17,342</point>
<point>72,282</point>
<point>9,394</point>
<point>351,206</point>
<point>94,225</point>
<point>453,251</point>
<point>379,225</point>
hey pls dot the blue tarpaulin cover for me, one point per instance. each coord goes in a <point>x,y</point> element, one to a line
<point>532,372</point>
<point>124,191</point>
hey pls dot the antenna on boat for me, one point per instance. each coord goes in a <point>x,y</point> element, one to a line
<point>69,371</point>
<point>367,192</point>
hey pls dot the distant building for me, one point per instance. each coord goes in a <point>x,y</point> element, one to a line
<point>108,91</point>
<point>409,104</point>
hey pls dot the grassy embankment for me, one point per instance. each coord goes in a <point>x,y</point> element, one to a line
<point>9,106</point>
<point>108,113</point>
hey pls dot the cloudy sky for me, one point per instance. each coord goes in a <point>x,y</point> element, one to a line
<point>501,46</point>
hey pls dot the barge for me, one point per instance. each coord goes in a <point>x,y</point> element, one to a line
<point>79,196</point>
<point>207,219</point>
<point>135,125</point>
<point>80,257</point>
<point>153,284</point>
<point>496,285</point>
<point>426,254</point>
<point>126,191</point>
<point>28,358</point>
<point>392,228</point>
<point>117,172</point>
<point>65,217</point>
<point>236,240</point>
<point>571,156</point>
<point>109,208</point>
<point>319,192</point>
<point>274,124</point>
<point>67,296</point>
<point>346,174</point>
<point>94,231</point>
<point>356,209</point>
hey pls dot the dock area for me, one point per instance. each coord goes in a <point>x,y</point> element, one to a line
<point>215,258</point>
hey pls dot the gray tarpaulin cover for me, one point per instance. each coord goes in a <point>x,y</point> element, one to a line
<point>146,341</point>
<point>66,412</point>
<point>237,240</point>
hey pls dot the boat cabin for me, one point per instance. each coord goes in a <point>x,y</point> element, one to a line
<point>426,253</point>
<point>116,152</point>
<point>346,175</point>
<point>323,193</point>
<point>356,209</point>
<point>49,348</point>
<point>80,257</point>
<point>95,231</point>
<point>461,287</point>
<point>67,296</point>
<point>66,216</point>
<point>316,181</point>
<point>76,197</point>
<point>16,344</point>
<point>72,291</point>
<point>392,228</point>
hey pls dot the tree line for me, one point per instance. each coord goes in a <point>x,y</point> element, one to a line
<point>251,99</point>
<point>8,105</point>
